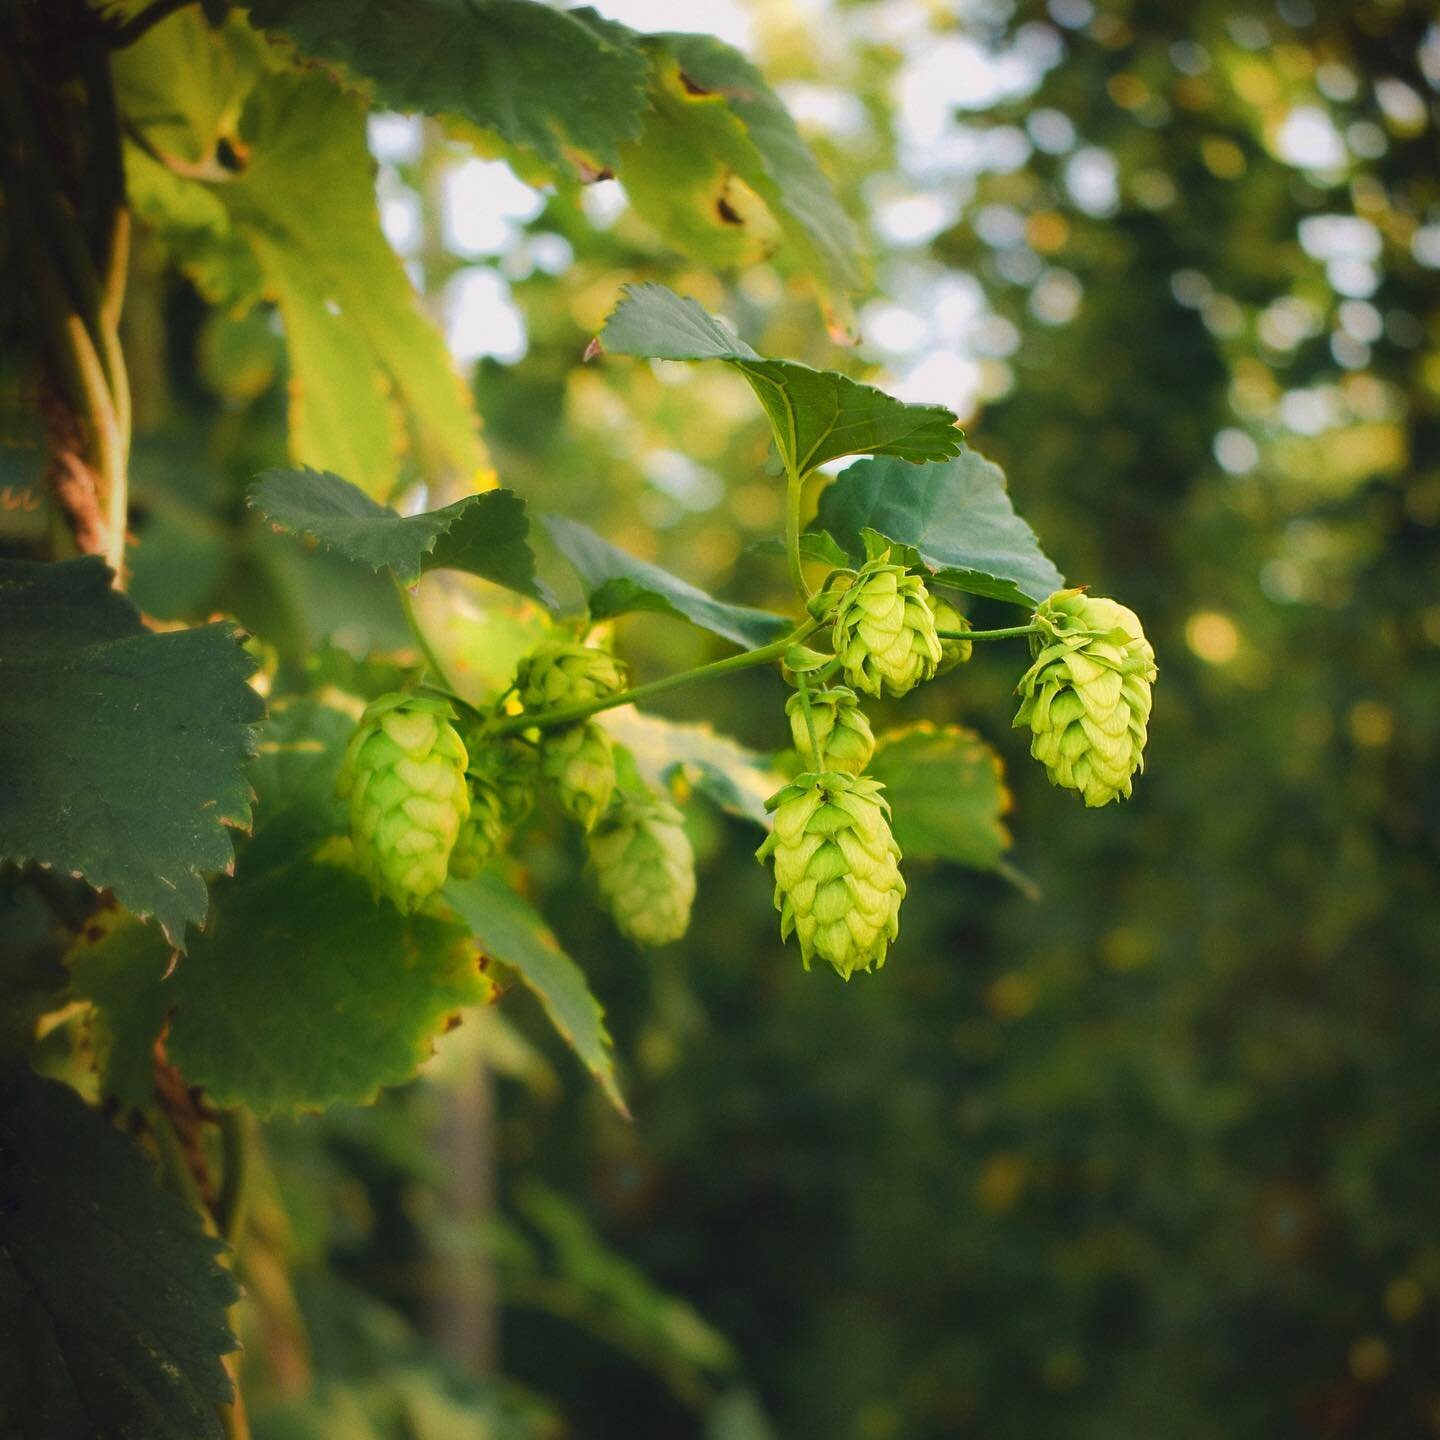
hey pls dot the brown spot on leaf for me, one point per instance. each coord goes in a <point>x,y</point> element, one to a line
<point>728,214</point>
<point>452,1022</point>
<point>593,349</point>
<point>693,86</point>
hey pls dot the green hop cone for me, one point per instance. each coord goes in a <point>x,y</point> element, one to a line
<point>403,777</point>
<point>644,868</point>
<point>579,763</point>
<point>483,830</point>
<point>842,730</point>
<point>884,632</point>
<point>509,766</point>
<point>1086,697</point>
<point>947,617</point>
<point>838,885</point>
<point>563,672</point>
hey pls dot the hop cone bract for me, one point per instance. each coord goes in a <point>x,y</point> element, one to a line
<point>580,765</point>
<point>884,632</point>
<point>563,672</point>
<point>947,617</point>
<point>1086,697</point>
<point>842,730</point>
<point>838,885</point>
<point>403,777</point>
<point>483,830</point>
<point>644,868</point>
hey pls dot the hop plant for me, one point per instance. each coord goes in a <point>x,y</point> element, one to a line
<point>883,630</point>
<point>1086,697</point>
<point>563,672</point>
<point>842,730</point>
<point>403,778</point>
<point>579,763</point>
<point>483,830</point>
<point>947,617</point>
<point>644,868</point>
<point>838,885</point>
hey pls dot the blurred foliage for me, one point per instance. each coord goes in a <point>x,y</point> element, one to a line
<point>1153,1153</point>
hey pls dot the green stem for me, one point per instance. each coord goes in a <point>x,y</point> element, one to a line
<point>794,488</point>
<point>237,1140</point>
<point>407,604</point>
<point>1004,634</point>
<point>454,699</point>
<point>572,714</point>
<point>802,688</point>
<point>137,25</point>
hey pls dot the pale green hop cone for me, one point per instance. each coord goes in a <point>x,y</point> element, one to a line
<point>884,632</point>
<point>644,868</point>
<point>403,778</point>
<point>483,830</point>
<point>842,730</point>
<point>1086,697</point>
<point>947,617</point>
<point>579,764</point>
<point>838,885</point>
<point>563,672</point>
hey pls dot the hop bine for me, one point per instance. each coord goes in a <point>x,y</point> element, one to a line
<point>563,672</point>
<point>838,885</point>
<point>1086,697</point>
<point>842,730</point>
<point>884,631</point>
<point>644,868</point>
<point>403,777</point>
<point>579,763</point>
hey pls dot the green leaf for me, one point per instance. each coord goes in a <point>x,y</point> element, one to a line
<point>946,789</point>
<point>482,534</point>
<point>367,365</point>
<point>365,991</point>
<point>618,584</point>
<point>123,750</point>
<point>112,1303</point>
<point>551,80</point>
<point>817,415</point>
<point>670,754</point>
<point>957,518</point>
<point>720,165</point>
<point>508,930</point>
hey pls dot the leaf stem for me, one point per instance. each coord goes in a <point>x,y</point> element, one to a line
<point>407,604</point>
<point>794,489</point>
<point>454,699</point>
<point>573,714</point>
<point>237,1140</point>
<point>1004,634</point>
<point>137,25</point>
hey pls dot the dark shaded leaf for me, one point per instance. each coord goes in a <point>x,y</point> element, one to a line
<point>112,1303</point>
<point>122,751</point>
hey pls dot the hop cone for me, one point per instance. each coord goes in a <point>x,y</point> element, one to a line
<point>644,868</point>
<point>884,632</point>
<point>947,617</point>
<point>509,766</point>
<point>403,776</point>
<point>482,832</point>
<point>837,869</point>
<point>564,672</point>
<point>1086,698</point>
<point>841,730</point>
<point>579,763</point>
